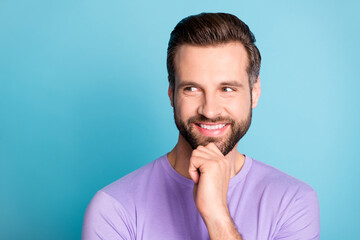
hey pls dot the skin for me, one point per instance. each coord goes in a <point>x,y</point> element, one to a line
<point>211,81</point>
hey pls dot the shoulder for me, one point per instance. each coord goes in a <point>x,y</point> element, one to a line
<point>106,218</point>
<point>124,190</point>
<point>134,182</point>
<point>111,212</point>
<point>277,180</point>
<point>295,201</point>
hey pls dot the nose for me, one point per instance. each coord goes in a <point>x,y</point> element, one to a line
<point>210,107</point>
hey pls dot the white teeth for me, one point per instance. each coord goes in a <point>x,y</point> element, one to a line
<point>212,127</point>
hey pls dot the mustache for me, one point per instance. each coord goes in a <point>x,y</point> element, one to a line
<point>210,120</point>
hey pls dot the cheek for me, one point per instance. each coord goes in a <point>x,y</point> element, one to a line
<point>185,108</point>
<point>239,106</point>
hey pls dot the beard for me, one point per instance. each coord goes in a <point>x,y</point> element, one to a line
<point>225,143</point>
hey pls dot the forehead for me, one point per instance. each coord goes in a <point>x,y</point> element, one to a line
<point>223,62</point>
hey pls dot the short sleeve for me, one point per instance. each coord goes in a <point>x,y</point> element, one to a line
<point>106,219</point>
<point>302,219</point>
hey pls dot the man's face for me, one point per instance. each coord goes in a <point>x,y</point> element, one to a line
<point>212,100</point>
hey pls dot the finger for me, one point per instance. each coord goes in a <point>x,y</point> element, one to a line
<point>194,173</point>
<point>214,148</point>
<point>203,152</point>
<point>206,151</point>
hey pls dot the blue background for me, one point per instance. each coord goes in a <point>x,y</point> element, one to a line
<point>83,101</point>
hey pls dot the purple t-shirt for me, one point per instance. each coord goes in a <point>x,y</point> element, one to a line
<point>156,202</point>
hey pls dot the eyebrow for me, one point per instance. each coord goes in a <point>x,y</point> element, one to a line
<point>226,83</point>
<point>232,83</point>
<point>188,83</point>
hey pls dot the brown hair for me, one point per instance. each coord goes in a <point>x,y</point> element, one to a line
<point>206,29</point>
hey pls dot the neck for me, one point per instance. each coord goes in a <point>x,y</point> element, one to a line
<point>179,158</point>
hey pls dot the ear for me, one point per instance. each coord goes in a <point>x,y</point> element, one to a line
<point>171,95</point>
<point>256,91</point>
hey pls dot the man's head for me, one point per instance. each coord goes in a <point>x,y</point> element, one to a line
<point>212,85</point>
<point>211,29</point>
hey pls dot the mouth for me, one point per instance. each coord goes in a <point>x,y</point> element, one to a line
<point>212,129</point>
<point>211,126</point>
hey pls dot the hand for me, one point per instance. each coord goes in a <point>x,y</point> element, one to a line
<point>210,171</point>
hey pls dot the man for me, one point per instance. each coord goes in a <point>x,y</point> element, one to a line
<point>204,188</point>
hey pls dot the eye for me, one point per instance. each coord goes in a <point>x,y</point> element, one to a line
<point>227,89</point>
<point>190,89</point>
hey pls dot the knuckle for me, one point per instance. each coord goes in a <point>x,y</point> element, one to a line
<point>195,152</point>
<point>193,158</point>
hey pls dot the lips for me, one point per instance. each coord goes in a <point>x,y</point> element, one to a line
<point>212,129</point>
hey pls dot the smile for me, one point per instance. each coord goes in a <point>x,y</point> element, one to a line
<point>212,127</point>
<point>212,130</point>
